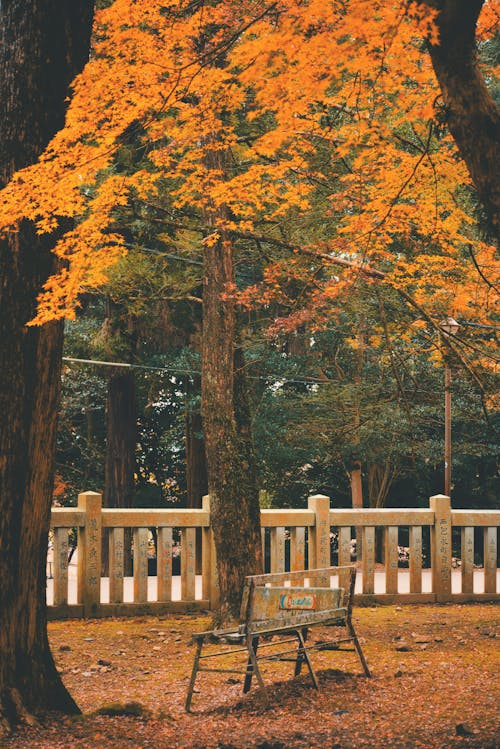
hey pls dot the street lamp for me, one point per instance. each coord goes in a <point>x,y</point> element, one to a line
<point>450,327</point>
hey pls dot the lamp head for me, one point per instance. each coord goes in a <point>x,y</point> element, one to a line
<point>449,326</point>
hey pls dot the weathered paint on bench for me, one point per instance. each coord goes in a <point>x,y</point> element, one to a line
<point>273,608</point>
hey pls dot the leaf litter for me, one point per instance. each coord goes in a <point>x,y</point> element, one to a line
<point>130,677</point>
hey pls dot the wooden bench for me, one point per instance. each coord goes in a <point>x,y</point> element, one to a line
<point>286,605</point>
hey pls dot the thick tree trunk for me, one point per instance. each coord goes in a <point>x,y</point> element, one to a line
<point>473,117</point>
<point>232,481</point>
<point>43,45</point>
<point>231,472</point>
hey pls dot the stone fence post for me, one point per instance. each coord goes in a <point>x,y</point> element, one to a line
<point>89,553</point>
<point>319,534</point>
<point>441,547</point>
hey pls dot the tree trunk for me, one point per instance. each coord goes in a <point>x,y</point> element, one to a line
<point>356,473</point>
<point>380,480</point>
<point>196,463</point>
<point>121,444</point>
<point>121,440</point>
<point>472,115</point>
<point>231,471</point>
<point>43,45</point>
<point>357,503</point>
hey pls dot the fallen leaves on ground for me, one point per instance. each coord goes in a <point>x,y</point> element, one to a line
<point>435,685</point>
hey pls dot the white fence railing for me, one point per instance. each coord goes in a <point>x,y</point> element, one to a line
<point>429,555</point>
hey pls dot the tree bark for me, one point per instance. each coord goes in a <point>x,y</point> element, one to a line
<point>226,424</point>
<point>196,459</point>
<point>120,341</point>
<point>356,482</point>
<point>121,440</point>
<point>121,445</point>
<point>356,475</point>
<point>43,46</point>
<point>472,115</point>
<point>196,462</point>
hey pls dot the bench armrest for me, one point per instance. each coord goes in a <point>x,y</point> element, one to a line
<point>216,633</point>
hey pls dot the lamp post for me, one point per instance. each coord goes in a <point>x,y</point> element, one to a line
<point>449,326</point>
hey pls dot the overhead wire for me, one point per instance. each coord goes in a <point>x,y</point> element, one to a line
<point>176,370</point>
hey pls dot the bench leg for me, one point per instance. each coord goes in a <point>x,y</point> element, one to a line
<point>359,651</point>
<point>300,654</point>
<point>304,656</point>
<point>193,675</point>
<point>253,667</point>
<point>250,668</point>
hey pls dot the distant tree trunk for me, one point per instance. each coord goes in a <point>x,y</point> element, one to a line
<point>121,439</point>
<point>472,115</point>
<point>42,47</point>
<point>92,447</point>
<point>380,479</point>
<point>356,475</point>
<point>121,445</point>
<point>119,338</point>
<point>196,463</point>
<point>357,503</point>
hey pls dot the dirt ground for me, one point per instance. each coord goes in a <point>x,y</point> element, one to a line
<point>436,683</point>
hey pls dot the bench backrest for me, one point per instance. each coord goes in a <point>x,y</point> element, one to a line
<point>297,598</point>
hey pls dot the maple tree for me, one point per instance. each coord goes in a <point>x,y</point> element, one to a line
<point>375,106</point>
<point>261,122</point>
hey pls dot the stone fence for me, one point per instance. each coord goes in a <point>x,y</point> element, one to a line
<point>435,554</point>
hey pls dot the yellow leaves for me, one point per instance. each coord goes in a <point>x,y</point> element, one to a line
<point>90,250</point>
<point>211,239</point>
<point>424,18</point>
<point>419,325</point>
<point>89,269</point>
<point>46,225</point>
<point>489,20</point>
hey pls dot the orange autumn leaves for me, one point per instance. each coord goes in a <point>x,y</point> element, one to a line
<point>325,113</point>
